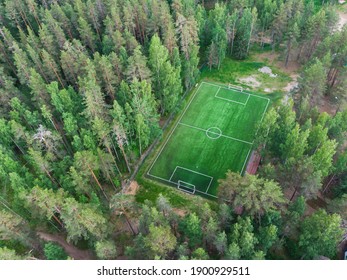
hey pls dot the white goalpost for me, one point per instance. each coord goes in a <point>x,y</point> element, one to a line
<point>186,187</point>
<point>238,88</point>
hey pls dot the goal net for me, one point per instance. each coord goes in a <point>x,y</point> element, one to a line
<point>186,187</point>
<point>238,88</point>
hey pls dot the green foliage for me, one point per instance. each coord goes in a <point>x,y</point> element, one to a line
<point>191,228</point>
<point>242,240</point>
<point>9,254</point>
<point>319,235</point>
<point>252,194</point>
<point>54,252</point>
<point>82,90</point>
<point>105,250</point>
<point>200,254</point>
<point>243,34</point>
<point>160,240</point>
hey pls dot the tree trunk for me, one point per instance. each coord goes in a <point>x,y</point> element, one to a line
<point>115,163</point>
<point>140,146</point>
<point>288,53</point>
<point>129,224</point>
<point>107,173</point>
<point>273,40</point>
<point>51,177</point>
<point>328,184</point>
<point>294,193</point>
<point>262,37</point>
<point>250,37</point>
<point>56,74</point>
<point>232,41</point>
<point>97,181</point>
<point>125,157</point>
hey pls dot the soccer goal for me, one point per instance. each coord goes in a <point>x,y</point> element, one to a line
<point>186,187</point>
<point>239,88</point>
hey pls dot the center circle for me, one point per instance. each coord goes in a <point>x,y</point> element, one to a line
<point>213,133</point>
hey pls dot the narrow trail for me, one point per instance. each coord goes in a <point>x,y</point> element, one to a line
<point>71,250</point>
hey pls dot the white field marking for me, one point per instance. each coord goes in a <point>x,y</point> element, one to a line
<point>187,186</point>
<point>219,134</point>
<point>225,87</point>
<point>165,180</point>
<point>202,174</point>
<point>232,138</point>
<point>195,172</point>
<point>178,122</point>
<point>208,187</point>
<point>218,90</point>
<point>244,92</point>
<point>240,88</point>
<point>173,173</point>
<point>167,140</point>
<point>248,98</point>
<point>244,164</point>
<point>230,100</point>
<point>268,102</point>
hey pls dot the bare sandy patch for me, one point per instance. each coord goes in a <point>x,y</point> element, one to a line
<point>267,70</point>
<point>342,20</point>
<point>250,81</point>
<point>180,212</point>
<point>132,188</point>
<point>273,60</point>
<point>327,106</point>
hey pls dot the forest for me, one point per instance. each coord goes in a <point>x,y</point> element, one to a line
<point>85,88</point>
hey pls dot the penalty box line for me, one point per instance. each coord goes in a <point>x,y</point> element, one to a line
<point>199,173</point>
<point>244,164</point>
<point>229,137</point>
<point>167,140</point>
<point>230,100</point>
<point>254,95</point>
<point>165,180</point>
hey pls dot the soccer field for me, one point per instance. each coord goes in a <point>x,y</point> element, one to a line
<point>214,134</point>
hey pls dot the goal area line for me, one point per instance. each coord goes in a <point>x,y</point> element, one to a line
<point>193,171</point>
<point>183,186</point>
<point>171,182</point>
<point>230,100</point>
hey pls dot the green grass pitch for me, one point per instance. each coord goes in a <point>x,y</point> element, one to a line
<point>214,133</point>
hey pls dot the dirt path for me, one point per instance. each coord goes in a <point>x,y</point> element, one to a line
<point>132,188</point>
<point>72,251</point>
<point>343,19</point>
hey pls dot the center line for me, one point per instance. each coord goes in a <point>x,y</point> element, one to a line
<point>198,128</point>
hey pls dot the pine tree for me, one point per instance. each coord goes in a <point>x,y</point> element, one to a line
<point>160,241</point>
<point>74,60</point>
<point>166,79</point>
<point>145,112</point>
<point>106,250</point>
<point>313,81</point>
<point>243,34</point>
<point>320,234</point>
<point>122,204</point>
<point>87,34</point>
<point>254,195</point>
<point>22,63</point>
<point>137,68</point>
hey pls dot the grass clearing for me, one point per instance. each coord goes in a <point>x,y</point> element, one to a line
<point>211,136</point>
<point>231,71</point>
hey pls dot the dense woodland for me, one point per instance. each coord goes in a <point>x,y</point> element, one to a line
<point>83,87</point>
